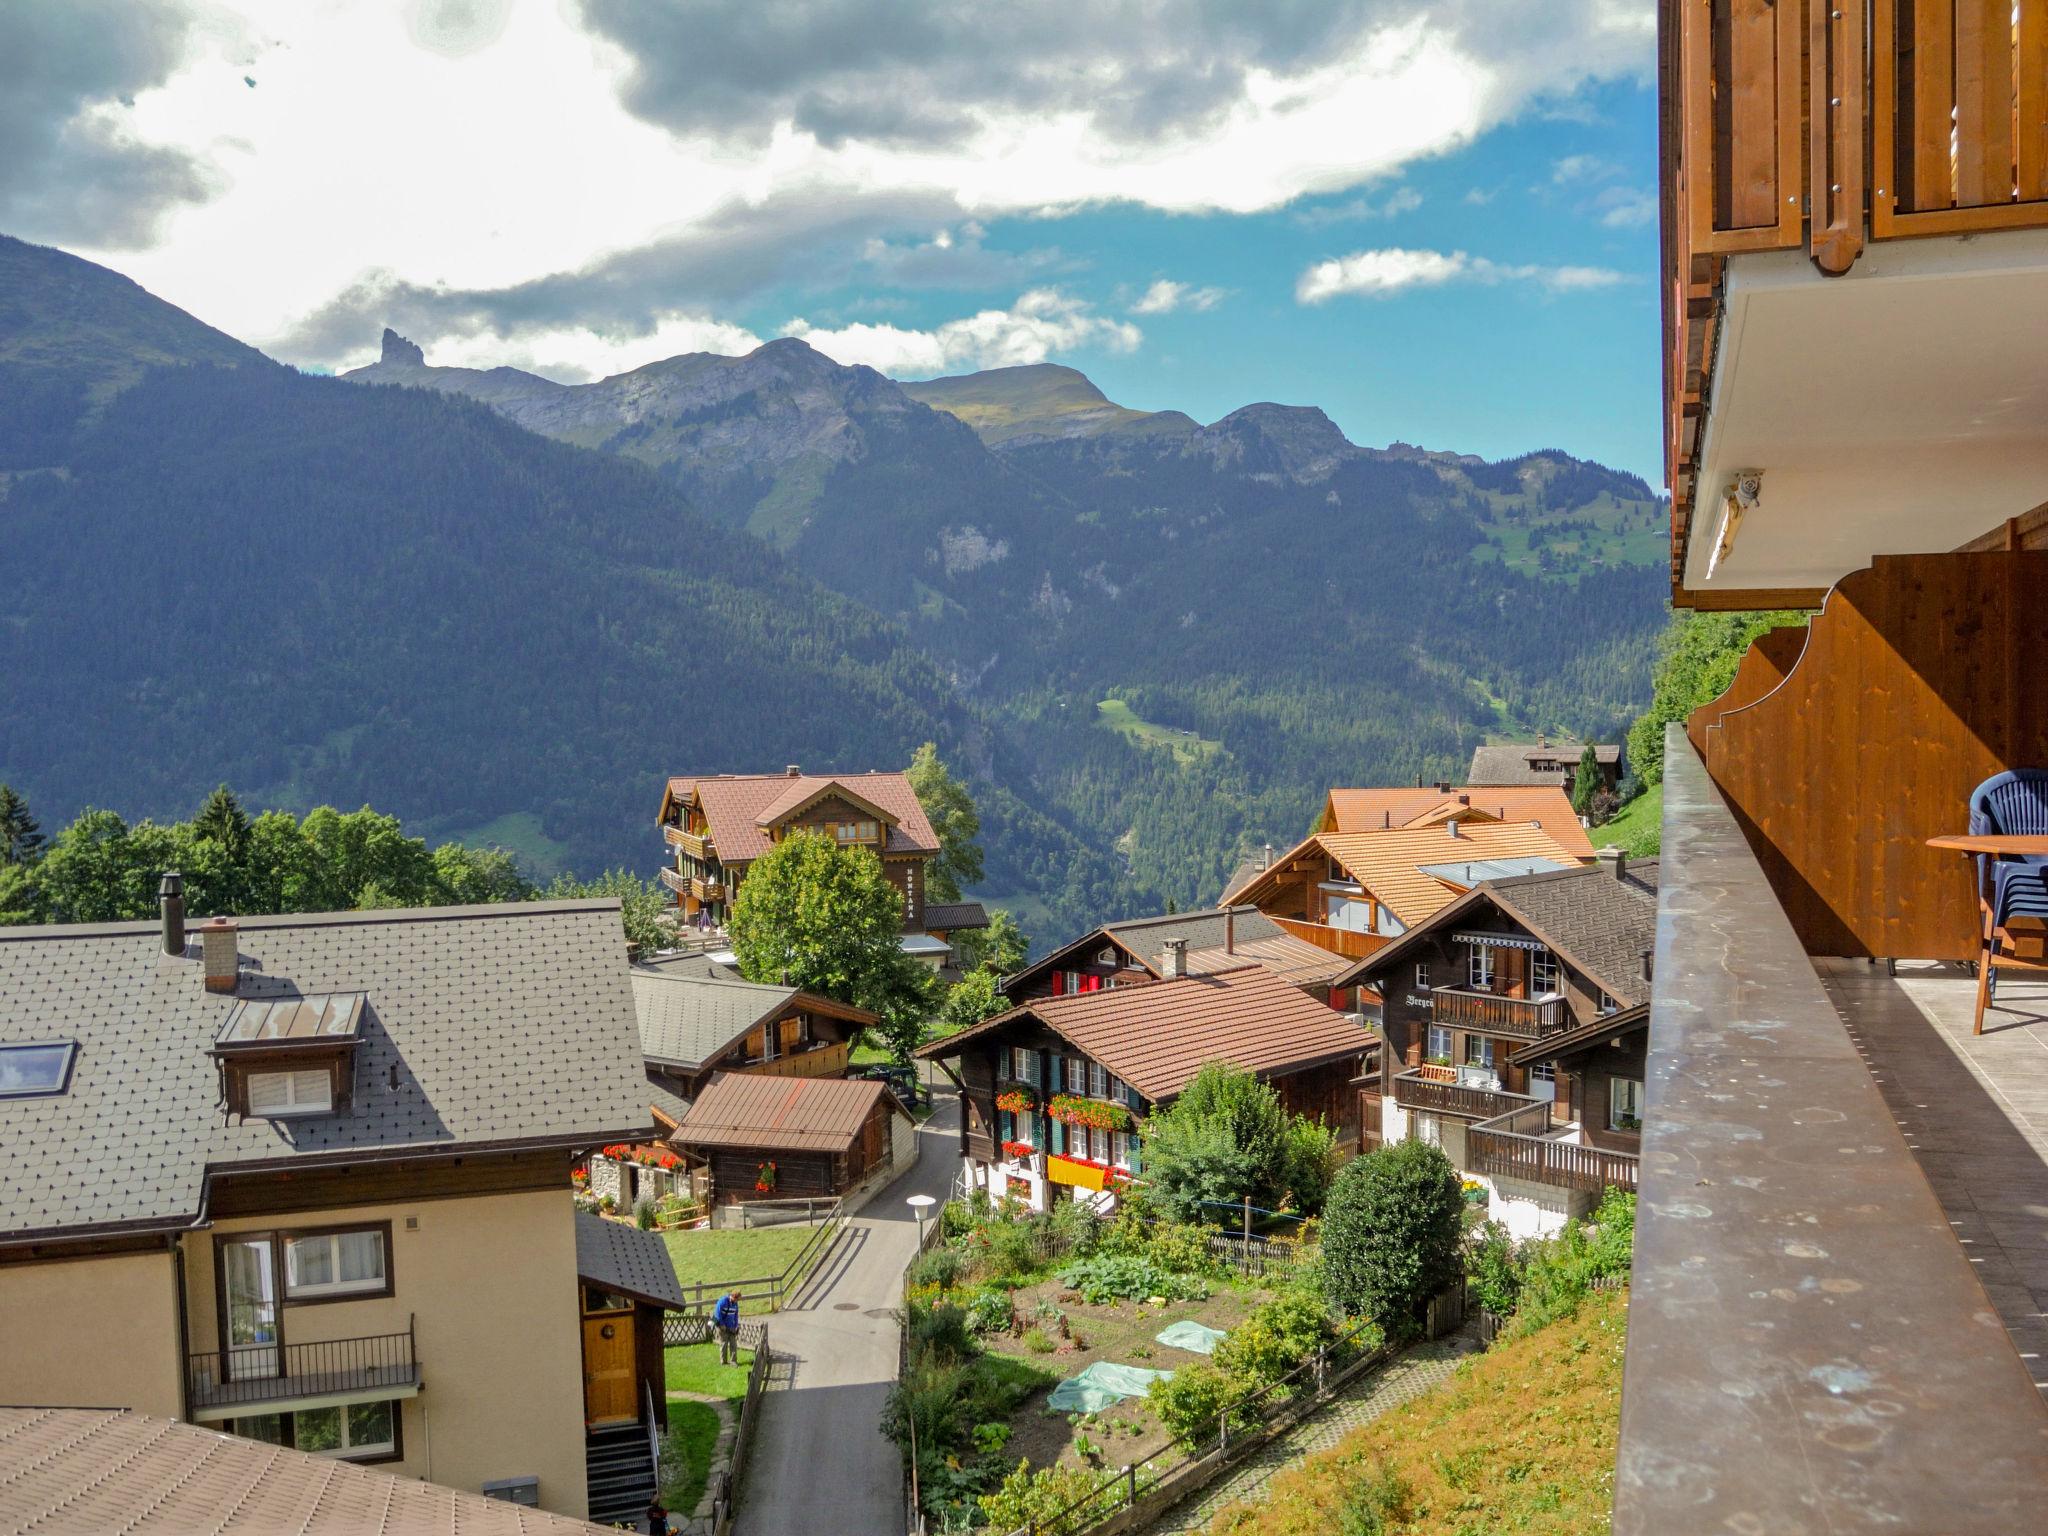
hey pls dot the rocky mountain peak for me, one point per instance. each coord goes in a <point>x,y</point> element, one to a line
<point>398,350</point>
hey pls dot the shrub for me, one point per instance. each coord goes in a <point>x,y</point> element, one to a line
<point>1041,1500</point>
<point>1012,1250</point>
<point>931,1397</point>
<point>643,1216</point>
<point>1391,1232</point>
<point>1037,1340</point>
<point>1494,1268</point>
<point>1073,1223</point>
<point>939,1333</point>
<point>1373,1504</point>
<point>1124,1278</point>
<point>1558,1272</point>
<point>1194,1400</point>
<point>941,1267</point>
<point>1308,1159</point>
<point>989,1312</point>
<point>1274,1340</point>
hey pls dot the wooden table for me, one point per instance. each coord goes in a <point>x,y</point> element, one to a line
<point>2021,843</point>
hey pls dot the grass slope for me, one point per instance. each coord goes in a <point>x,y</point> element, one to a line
<point>1521,1440</point>
<point>721,1258</point>
<point>1186,746</point>
<point>1638,830</point>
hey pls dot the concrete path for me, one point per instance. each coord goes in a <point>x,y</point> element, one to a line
<point>820,1463</point>
<point>1410,1375</point>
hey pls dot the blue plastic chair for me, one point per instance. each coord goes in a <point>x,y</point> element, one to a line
<point>2008,886</point>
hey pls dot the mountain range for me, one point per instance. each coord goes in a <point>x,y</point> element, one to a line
<point>503,606</point>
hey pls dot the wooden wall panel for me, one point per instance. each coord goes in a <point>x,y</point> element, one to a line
<point>1764,665</point>
<point>1920,678</point>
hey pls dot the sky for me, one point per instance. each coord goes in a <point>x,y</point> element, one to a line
<point>1435,219</point>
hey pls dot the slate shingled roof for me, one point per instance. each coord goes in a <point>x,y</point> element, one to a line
<point>482,1026</point>
<point>624,1259</point>
<point>734,803</point>
<point>106,1469</point>
<point>1502,763</point>
<point>1255,937</point>
<point>1157,1036</point>
<point>687,1020</point>
<point>946,916</point>
<point>1599,923</point>
<point>781,1114</point>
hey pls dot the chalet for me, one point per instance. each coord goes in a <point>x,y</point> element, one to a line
<point>691,1027</point>
<point>1134,950</point>
<point>1545,807</point>
<point>1515,1033</point>
<point>1501,764</point>
<point>714,827</point>
<point>784,1137</point>
<point>1052,1090</point>
<point>307,1174</point>
<point>1351,892</point>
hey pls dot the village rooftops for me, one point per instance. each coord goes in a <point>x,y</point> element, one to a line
<point>686,1021</point>
<point>106,1469</point>
<point>627,1261</point>
<point>1157,1035</point>
<point>1500,764</point>
<point>1384,810</point>
<point>781,1114</point>
<point>741,810</point>
<point>1217,939</point>
<point>473,1029</point>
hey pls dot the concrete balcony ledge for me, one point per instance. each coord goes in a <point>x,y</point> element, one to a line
<point>1809,1349</point>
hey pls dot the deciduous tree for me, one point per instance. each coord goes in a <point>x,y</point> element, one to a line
<point>815,915</point>
<point>1390,1234</point>
<point>952,814</point>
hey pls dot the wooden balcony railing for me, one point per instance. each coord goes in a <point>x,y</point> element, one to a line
<point>707,890</point>
<point>696,844</point>
<point>1347,942</point>
<point>1511,1145</point>
<point>271,1373</point>
<point>1829,125</point>
<point>1436,1090</point>
<point>826,1060</point>
<point>674,880</point>
<point>1516,1018</point>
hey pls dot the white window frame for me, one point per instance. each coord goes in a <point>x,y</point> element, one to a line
<point>1624,1098</point>
<point>1022,1065</point>
<point>1480,969</point>
<point>1098,1080</point>
<point>347,1451</point>
<point>1479,1052</point>
<point>297,1290</point>
<point>1608,1005</point>
<point>297,1100</point>
<point>1422,974</point>
<point>1438,1034</point>
<point>1546,972</point>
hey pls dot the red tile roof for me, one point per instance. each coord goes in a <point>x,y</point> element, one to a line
<point>1157,1035</point>
<point>735,806</point>
<point>780,1114</point>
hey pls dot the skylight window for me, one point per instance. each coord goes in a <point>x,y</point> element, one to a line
<point>34,1070</point>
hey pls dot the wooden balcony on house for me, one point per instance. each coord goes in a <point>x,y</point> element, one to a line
<point>1514,1146</point>
<point>1437,1091</point>
<point>265,1377</point>
<point>696,844</point>
<point>827,1059</point>
<point>1347,942</point>
<point>1805,124</point>
<point>675,880</point>
<point>706,890</point>
<point>1510,1018</point>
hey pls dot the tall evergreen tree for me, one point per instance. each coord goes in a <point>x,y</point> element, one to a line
<point>223,820</point>
<point>21,840</point>
<point>1586,782</point>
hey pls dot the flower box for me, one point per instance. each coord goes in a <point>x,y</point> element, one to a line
<point>1021,1151</point>
<point>1097,1114</point>
<point>1017,1100</point>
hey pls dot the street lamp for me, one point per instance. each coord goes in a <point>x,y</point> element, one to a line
<point>919,1204</point>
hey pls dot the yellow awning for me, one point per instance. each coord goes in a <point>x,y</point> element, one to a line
<point>1061,1170</point>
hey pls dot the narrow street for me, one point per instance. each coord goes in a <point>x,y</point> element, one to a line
<point>820,1463</point>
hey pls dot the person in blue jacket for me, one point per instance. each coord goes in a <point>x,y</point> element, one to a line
<point>725,1320</point>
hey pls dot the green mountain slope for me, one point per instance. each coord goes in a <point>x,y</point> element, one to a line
<point>1038,402</point>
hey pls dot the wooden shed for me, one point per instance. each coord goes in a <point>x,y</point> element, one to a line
<point>780,1137</point>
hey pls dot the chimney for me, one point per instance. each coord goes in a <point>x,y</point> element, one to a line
<point>1230,930</point>
<point>1649,968</point>
<point>170,900</point>
<point>1386,821</point>
<point>792,772</point>
<point>1451,826</point>
<point>1614,861</point>
<point>1464,799</point>
<point>1443,786</point>
<point>222,954</point>
<point>1269,856</point>
<point>1173,959</point>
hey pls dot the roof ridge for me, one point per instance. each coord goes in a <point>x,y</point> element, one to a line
<point>273,920</point>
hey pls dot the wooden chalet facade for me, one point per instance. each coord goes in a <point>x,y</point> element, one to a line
<point>715,826</point>
<point>1515,1034</point>
<point>785,1138</point>
<point>1145,949</point>
<point>1053,1090</point>
<point>694,1025</point>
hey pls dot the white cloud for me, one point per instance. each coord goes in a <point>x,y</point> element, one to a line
<point>1375,274</point>
<point>1042,323</point>
<point>1582,168</point>
<point>1397,202</point>
<point>576,354</point>
<point>1626,207</point>
<point>1165,296</point>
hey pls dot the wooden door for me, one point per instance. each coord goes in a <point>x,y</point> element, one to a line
<point>875,1136</point>
<point>1513,976</point>
<point>608,1373</point>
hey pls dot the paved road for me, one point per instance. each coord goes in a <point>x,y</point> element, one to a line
<point>1408,1375</point>
<point>820,1465</point>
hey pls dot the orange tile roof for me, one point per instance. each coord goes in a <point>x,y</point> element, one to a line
<point>108,1469</point>
<point>1157,1035</point>
<point>1390,864</point>
<point>734,805</point>
<point>1291,959</point>
<point>780,1114</point>
<point>1376,810</point>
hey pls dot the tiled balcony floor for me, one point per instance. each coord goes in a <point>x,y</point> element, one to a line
<point>1974,1109</point>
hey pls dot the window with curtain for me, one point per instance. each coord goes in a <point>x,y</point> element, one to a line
<point>1545,974</point>
<point>1479,1051</point>
<point>291,1093</point>
<point>334,1263</point>
<point>1624,1104</point>
<point>1439,1043</point>
<point>1479,968</point>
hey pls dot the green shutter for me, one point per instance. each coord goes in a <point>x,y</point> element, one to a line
<point>1059,1138</point>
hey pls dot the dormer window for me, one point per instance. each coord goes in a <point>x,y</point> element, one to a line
<point>284,1057</point>
<point>37,1069</point>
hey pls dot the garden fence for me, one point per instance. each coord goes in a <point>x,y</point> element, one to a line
<point>773,1289</point>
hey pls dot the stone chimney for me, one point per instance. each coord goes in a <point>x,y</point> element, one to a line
<point>1613,860</point>
<point>1443,786</point>
<point>1451,827</point>
<point>1269,856</point>
<point>222,953</point>
<point>1464,799</point>
<point>170,900</point>
<point>792,772</point>
<point>1230,930</point>
<point>1173,959</point>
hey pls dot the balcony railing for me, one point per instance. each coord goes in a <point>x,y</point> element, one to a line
<point>679,883</point>
<point>1438,1091</point>
<point>253,1375</point>
<point>696,844</point>
<point>707,890</point>
<point>1348,942</point>
<point>1513,1145</point>
<point>1926,117</point>
<point>824,1060</point>
<point>1514,1018</point>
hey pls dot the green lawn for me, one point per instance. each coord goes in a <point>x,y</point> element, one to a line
<point>720,1258</point>
<point>686,1457</point>
<point>695,1368</point>
<point>1639,828</point>
<point>1185,746</point>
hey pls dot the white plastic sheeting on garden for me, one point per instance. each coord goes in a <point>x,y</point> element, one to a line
<point>1193,1336</point>
<point>1100,1385</point>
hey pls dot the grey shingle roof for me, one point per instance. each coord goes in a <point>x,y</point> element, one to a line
<point>625,1259</point>
<point>945,916</point>
<point>687,1020</point>
<point>482,1025</point>
<point>1602,923</point>
<point>1506,763</point>
<point>1202,930</point>
<point>667,1102</point>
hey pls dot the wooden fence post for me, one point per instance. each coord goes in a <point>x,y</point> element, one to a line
<point>1130,1484</point>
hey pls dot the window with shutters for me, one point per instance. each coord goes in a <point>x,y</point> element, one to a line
<point>277,1094</point>
<point>1023,1066</point>
<point>1098,1080</point>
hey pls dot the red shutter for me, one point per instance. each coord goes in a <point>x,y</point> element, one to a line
<point>1059,983</point>
<point>1091,984</point>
